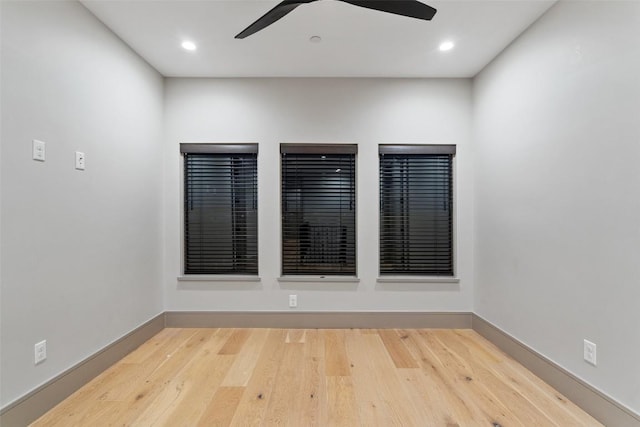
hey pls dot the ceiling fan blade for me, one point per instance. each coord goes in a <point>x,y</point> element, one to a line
<point>280,10</point>
<point>410,8</point>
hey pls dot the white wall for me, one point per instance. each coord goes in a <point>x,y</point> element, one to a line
<point>557,151</point>
<point>363,111</point>
<point>81,251</point>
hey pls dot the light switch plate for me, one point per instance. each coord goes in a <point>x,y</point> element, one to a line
<point>38,150</point>
<point>80,159</point>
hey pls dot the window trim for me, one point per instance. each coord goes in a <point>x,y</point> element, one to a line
<point>218,278</point>
<point>417,279</point>
<point>290,278</point>
<point>212,148</point>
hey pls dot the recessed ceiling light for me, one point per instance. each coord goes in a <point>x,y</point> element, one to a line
<point>315,39</point>
<point>188,45</point>
<point>447,45</point>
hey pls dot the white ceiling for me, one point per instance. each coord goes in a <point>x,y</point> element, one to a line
<point>356,42</point>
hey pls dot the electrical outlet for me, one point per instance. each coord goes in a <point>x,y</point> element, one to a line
<point>590,352</point>
<point>40,352</point>
<point>293,301</point>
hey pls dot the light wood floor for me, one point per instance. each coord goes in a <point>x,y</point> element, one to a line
<point>268,377</point>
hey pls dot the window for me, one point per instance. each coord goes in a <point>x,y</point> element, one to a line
<point>416,203</point>
<point>318,209</point>
<point>220,208</point>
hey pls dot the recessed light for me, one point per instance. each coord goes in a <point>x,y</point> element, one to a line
<point>447,45</point>
<point>315,39</point>
<point>188,45</point>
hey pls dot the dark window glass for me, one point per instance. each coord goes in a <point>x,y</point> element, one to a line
<point>220,213</point>
<point>416,222</point>
<point>318,212</point>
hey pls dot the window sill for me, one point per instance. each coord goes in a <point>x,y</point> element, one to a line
<point>418,279</point>
<point>318,279</point>
<point>217,278</point>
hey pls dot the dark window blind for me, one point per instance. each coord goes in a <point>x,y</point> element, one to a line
<point>416,202</point>
<point>318,210</point>
<point>220,210</point>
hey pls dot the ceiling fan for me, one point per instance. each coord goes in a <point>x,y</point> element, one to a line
<point>410,8</point>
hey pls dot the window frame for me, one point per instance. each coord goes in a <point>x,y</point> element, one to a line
<point>319,149</point>
<point>419,149</point>
<point>223,149</point>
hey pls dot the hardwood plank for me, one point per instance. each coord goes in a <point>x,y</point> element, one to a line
<point>286,387</point>
<point>222,407</point>
<point>335,354</point>
<point>309,407</point>
<point>256,397</point>
<point>383,377</point>
<point>341,402</point>
<point>372,409</point>
<point>431,406</point>
<point>397,350</point>
<point>245,362</point>
<point>235,342</point>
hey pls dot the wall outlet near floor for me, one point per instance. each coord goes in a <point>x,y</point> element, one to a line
<point>590,352</point>
<point>293,301</point>
<point>40,352</point>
